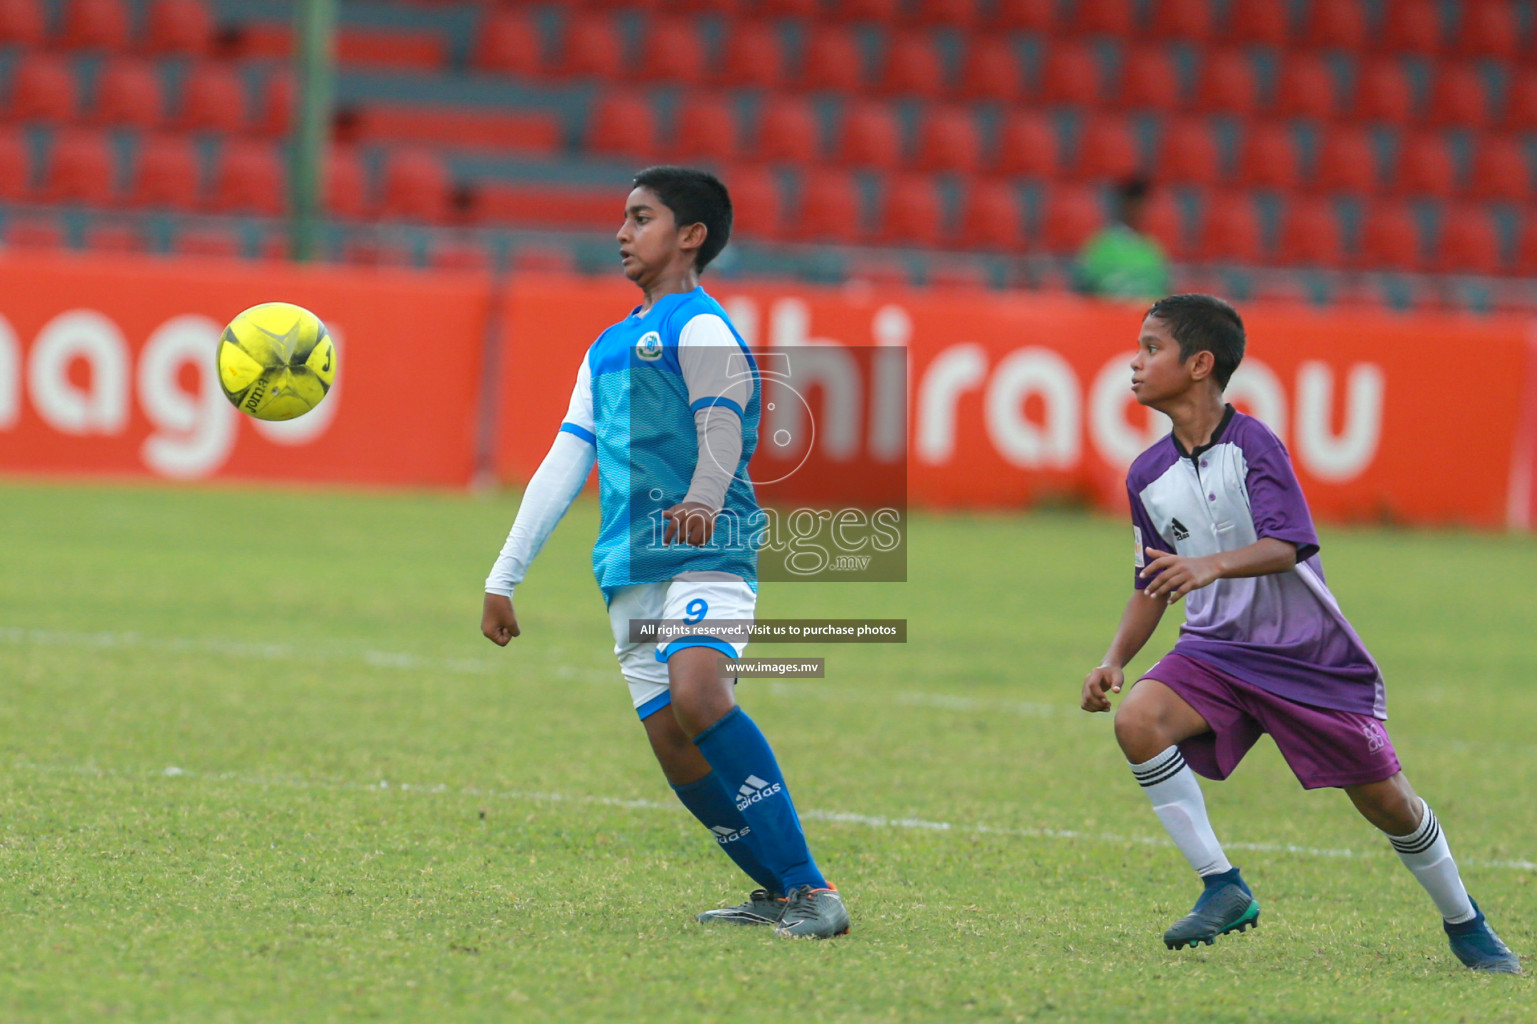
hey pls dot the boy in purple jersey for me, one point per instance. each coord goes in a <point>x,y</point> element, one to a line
<point>1218,516</point>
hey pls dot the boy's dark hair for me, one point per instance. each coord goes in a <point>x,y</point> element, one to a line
<point>1204,323</point>
<point>695,197</point>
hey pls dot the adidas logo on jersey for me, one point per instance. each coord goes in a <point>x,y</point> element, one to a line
<point>753,790</point>
<point>724,835</point>
<point>1180,532</point>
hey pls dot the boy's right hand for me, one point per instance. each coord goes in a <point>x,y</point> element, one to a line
<point>1104,679</point>
<point>498,622</point>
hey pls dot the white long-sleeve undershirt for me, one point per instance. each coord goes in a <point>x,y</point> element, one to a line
<point>554,486</point>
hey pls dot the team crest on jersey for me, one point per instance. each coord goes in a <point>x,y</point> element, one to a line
<point>650,347</point>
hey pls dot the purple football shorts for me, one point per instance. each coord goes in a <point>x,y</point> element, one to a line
<point>1323,747</point>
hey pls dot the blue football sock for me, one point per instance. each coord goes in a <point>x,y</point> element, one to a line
<point>736,749</point>
<point>708,801</point>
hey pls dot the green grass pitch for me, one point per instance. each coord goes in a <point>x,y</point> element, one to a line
<point>259,765</point>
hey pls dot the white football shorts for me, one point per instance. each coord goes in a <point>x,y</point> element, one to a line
<point>644,665</point>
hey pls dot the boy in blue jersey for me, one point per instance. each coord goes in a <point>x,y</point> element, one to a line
<point>666,402</point>
<point>1218,517</point>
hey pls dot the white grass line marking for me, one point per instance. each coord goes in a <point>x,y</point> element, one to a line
<point>873,821</point>
<point>401,661</point>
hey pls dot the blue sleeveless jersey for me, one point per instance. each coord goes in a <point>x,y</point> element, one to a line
<point>648,446</point>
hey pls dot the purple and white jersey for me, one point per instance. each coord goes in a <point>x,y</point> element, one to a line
<point>1284,632</point>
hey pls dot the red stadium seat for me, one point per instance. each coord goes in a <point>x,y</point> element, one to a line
<point>1070,74</point>
<point>1269,156</point>
<point>1383,91</point>
<point>1490,28</point>
<point>1260,22</point>
<point>870,136</point>
<point>249,178</point>
<point>1336,25</point>
<point>948,140</point>
<point>1227,83</point>
<point>213,99</point>
<point>23,23</point>
<point>1149,79</point>
<point>673,52</point>
<point>1521,100</point>
<point>1230,229</point>
<point>433,125</point>
<point>208,242</point>
<point>416,186</point>
<point>1107,148</point>
<point>991,69</point>
<point>1469,243</point>
<point>911,213</point>
<point>1163,219</point>
<point>1072,214</point>
<point>1305,87</point>
<point>1411,26</point>
<point>1526,248</point>
<point>1346,161</point>
<point>1426,166</point>
<point>1104,17</point>
<point>992,217</point>
<point>43,88</point>
<point>591,47</point>
<point>128,93</point>
<point>704,128</point>
<point>961,14</point>
<point>275,105</point>
<point>1310,234</point>
<point>1390,238</point>
<point>1188,153</point>
<point>829,207</point>
<point>788,130</point>
<point>1024,15</point>
<point>345,189</point>
<point>165,173</point>
<point>1457,97</point>
<point>1028,146</point>
<point>1501,170</point>
<point>34,229</point>
<point>880,11</point>
<point>757,209</point>
<point>622,123</point>
<point>832,60</point>
<point>509,43</point>
<point>461,254</point>
<point>1183,19</point>
<point>178,27</point>
<point>95,24</point>
<point>81,169</point>
<point>114,236</point>
<point>911,65</point>
<point>15,165</point>
<point>753,56</point>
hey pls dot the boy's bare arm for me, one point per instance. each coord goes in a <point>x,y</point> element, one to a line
<point>1178,575</point>
<point>1138,622</point>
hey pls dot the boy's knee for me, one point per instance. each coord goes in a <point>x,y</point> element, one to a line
<point>1134,727</point>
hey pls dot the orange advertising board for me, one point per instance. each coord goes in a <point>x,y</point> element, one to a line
<point>106,368</point>
<point>1012,399</point>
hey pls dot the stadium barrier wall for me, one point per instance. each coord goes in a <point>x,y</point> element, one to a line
<point>106,369</point>
<point>1020,399</point>
<point>1013,400</point>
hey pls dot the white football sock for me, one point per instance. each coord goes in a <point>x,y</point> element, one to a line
<point>1426,854</point>
<point>1176,796</point>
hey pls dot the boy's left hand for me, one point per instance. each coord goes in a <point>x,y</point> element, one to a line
<point>691,522</point>
<point>1178,575</point>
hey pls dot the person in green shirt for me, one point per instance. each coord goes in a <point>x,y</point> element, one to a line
<point>1121,262</point>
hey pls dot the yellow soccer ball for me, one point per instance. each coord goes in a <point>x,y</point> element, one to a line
<point>276,361</point>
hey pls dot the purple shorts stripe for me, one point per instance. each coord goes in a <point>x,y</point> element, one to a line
<point>1321,746</point>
